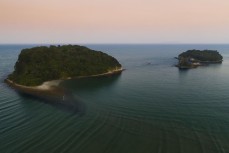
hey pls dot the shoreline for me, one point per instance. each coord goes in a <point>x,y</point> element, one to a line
<point>113,72</point>
<point>196,64</point>
<point>51,88</point>
<point>47,90</point>
<point>211,62</point>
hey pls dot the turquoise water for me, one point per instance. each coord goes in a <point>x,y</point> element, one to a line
<point>151,107</point>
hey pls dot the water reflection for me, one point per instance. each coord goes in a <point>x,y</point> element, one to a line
<point>183,72</point>
<point>65,99</point>
<point>68,102</point>
<point>92,84</point>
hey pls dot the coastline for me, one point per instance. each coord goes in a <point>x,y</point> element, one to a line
<point>185,67</point>
<point>195,64</point>
<point>112,72</point>
<point>46,90</point>
<point>51,88</point>
<point>211,62</point>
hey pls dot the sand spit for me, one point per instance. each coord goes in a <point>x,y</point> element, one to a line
<point>52,88</point>
<point>48,89</point>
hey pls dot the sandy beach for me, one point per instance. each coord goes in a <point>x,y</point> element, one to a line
<point>48,90</point>
<point>52,88</point>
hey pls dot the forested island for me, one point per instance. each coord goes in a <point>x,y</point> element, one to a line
<point>195,58</point>
<point>39,64</point>
<point>39,70</point>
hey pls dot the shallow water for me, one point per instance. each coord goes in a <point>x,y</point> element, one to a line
<point>150,107</point>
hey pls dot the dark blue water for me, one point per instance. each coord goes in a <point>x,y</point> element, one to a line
<point>150,107</point>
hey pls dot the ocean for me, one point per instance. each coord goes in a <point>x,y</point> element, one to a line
<point>152,107</point>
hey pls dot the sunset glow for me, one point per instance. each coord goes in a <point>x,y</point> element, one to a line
<point>119,21</point>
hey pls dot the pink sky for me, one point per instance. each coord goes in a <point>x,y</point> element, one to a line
<point>114,21</point>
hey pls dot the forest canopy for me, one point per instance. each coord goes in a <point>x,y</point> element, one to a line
<point>202,55</point>
<point>39,64</point>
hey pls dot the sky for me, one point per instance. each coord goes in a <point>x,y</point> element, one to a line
<point>114,21</point>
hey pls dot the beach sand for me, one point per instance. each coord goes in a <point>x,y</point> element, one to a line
<point>51,89</point>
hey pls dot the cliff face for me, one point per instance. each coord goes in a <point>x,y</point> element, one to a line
<point>39,64</point>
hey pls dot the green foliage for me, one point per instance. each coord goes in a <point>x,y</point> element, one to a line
<point>203,56</point>
<point>39,64</point>
<point>184,62</point>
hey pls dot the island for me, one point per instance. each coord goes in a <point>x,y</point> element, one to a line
<point>39,70</point>
<point>195,58</point>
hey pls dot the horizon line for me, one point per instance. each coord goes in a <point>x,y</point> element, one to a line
<point>115,43</point>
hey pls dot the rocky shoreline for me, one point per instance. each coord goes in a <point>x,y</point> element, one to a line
<point>112,72</point>
<point>194,58</point>
<point>197,64</point>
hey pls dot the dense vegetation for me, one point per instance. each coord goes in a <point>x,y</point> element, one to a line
<point>202,56</point>
<point>39,64</point>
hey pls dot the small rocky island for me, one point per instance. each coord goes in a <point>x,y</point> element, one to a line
<point>195,58</point>
<point>37,67</point>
